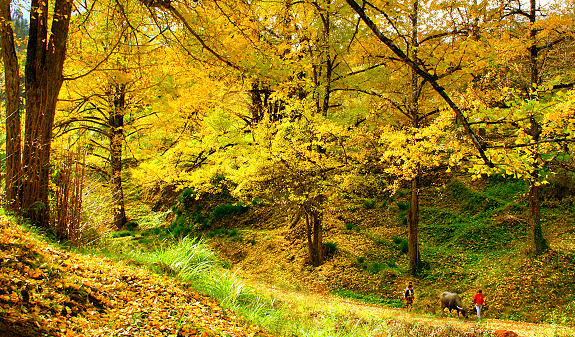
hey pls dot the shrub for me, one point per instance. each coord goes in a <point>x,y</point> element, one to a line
<point>121,234</point>
<point>402,205</point>
<point>330,248</point>
<point>131,226</point>
<point>375,267</point>
<point>222,232</point>
<point>402,244</point>
<point>369,204</point>
<point>227,210</point>
<point>471,201</point>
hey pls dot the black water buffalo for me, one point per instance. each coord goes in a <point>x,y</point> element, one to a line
<point>452,301</point>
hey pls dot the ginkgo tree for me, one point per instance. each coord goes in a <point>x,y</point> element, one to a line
<point>297,163</point>
<point>519,107</point>
<point>108,100</point>
<point>417,133</point>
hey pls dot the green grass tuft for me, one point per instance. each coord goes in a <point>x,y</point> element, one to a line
<point>388,302</point>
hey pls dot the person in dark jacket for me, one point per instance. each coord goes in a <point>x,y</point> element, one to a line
<point>409,295</point>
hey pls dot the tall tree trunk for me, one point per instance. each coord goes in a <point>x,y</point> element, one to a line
<point>413,223</point>
<point>44,64</point>
<point>116,143</point>
<point>326,59</point>
<point>317,238</point>
<point>257,104</point>
<point>535,240</point>
<point>413,213</point>
<point>13,129</point>
<point>533,49</point>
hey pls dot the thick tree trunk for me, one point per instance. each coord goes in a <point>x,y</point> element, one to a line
<point>257,103</point>
<point>116,143</point>
<point>44,64</point>
<point>13,129</point>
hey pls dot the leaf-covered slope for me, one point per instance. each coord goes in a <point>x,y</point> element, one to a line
<point>472,236</point>
<point>45,291</point>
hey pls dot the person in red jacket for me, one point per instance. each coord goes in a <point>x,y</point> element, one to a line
<point>478,301</point>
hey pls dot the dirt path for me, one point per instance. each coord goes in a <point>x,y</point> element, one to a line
<point>318,302</point>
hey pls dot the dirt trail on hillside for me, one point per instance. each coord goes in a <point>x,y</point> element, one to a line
<point>317,302</point>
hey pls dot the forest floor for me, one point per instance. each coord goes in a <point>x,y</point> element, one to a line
<point>316,302</point>
<point>47,291</point>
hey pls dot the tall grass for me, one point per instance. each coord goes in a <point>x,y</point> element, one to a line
<point>191,260</point>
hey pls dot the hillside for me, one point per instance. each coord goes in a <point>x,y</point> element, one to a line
<point>472,236</point>
<point>53,292</point>
<point>47,291</point>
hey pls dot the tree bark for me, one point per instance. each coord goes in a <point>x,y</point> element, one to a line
<point>413,223</point>
<point>13,129</point>
<point>314,235</point>
<point>44,64</point>
<point>535,240</point>
<point>533,50</point>
<point>116,143</point>
<point>413,213</point>
<point>317,239</point>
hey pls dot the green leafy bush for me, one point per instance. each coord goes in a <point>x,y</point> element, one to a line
<point>227,210</point>
<point>402,205</point>
<point>121,234</point>
<point>131,226</point>
<point>401,244</point>
<point>369,204</point>
<point>330,248</point>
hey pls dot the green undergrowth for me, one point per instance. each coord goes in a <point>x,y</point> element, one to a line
<point>474,237</point>
<point>392,303</point>
<point>192,261</point>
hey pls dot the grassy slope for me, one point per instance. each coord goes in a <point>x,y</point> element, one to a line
<point>47,291</point>
<point>471,237</point>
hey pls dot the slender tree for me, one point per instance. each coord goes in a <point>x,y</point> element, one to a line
<point>536,240</point>
<point>415,93</point>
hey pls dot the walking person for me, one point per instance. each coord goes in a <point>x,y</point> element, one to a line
<point>478,301</point>
<point>409,295</point>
